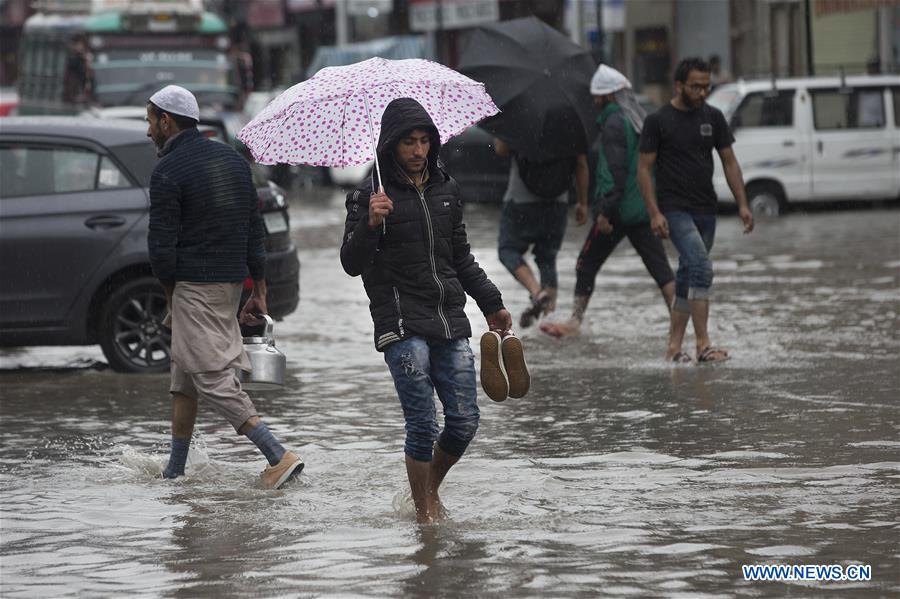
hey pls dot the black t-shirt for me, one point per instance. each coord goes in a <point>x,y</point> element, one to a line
<point>683,142</point>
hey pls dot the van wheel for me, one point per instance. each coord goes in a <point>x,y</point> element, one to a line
<point>131,332</point>
<point>765,199</point>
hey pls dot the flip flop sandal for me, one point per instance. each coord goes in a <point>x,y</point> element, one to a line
<point>538,304</point>
<point>682,358</point>
<point>707,355</point>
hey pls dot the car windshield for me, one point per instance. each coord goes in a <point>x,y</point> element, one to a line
<point>726,100</point>
<point>122,75</point>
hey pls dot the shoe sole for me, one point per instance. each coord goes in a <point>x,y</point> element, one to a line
<point>292,470</point>
<point>516,369</point>
<point>493,373</point>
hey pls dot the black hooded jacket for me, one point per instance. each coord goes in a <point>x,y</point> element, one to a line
<point>417,268</point>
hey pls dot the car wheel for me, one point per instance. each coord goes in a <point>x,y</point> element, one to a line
<point>132,335</point>
<point>765,200</point>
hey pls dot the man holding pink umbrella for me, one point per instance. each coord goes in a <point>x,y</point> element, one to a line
<point>409,243</point>
<point>404,234</point>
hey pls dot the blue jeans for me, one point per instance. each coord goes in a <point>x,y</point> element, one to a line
<point>692,235</point>
<point>421,366</point>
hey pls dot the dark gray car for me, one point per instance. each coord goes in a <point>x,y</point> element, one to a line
<point>73,241</point>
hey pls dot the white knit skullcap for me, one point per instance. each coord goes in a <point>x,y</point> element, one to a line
<point>177,100</point>
<point>607,81</point>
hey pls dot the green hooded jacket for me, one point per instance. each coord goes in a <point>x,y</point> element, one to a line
<point>614,125</point>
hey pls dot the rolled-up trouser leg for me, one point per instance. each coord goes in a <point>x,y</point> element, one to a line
<point>512,244</point>
<point>693,237</point>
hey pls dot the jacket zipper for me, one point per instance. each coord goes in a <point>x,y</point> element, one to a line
<point>399,312</point>
<point>437,280</point>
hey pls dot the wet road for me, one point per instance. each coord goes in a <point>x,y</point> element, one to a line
<point>618,475</point>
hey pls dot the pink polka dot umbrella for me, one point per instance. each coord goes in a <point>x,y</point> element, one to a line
<point>334,118</point>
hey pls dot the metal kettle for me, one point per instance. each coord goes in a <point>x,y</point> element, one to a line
<point>267,361</point>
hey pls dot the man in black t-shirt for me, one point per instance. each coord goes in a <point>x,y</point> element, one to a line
<point>679,139</point>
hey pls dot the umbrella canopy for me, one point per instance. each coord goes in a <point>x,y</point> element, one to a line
<point>540,80</point>
<point>334,118</point>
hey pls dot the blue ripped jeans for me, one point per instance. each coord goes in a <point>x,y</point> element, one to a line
<point>422,366</point>
<point>692,235</point>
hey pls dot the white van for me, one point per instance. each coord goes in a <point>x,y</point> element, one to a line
<point>822,138</point>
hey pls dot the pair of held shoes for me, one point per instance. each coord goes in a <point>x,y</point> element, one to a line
<point>503,369</point>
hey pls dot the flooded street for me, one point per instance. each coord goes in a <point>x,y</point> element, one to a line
<point>618,475</point>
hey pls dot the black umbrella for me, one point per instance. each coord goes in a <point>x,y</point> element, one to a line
<point>540,80</point>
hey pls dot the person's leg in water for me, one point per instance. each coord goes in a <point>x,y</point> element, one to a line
<point>596,249</point>
<point>410,366</point>
<point>223,391</point>
<point>551,224</point>
<point>700,281</point>
<point>441,463</point>
<point>424,480</point>
<point>693,237</point>
<point>541,298</point>
<point>525,276</point>
<point>680,313</point>
<point>514,241</point>
<point>418,472</point>
<point>453,375</point>
<point>184,415</point>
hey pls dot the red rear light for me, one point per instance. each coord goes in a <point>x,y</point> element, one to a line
<point>248,284</point>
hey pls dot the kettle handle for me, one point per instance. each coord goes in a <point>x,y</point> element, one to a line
<point>270,328</point>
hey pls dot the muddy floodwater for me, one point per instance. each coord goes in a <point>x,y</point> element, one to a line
<point>618,475</point>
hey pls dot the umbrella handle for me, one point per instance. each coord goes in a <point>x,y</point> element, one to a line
<point>374,149</point>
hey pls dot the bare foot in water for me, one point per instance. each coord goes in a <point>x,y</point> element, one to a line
<point>436,510</point>
<point>566,328</point>
<point>435,513</point>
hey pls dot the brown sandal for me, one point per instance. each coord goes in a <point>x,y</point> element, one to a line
<point>709,354</point>
<point>682,358</point>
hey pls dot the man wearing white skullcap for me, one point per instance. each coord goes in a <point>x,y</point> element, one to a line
<point>618,209</point>
<point>174,99</point>
<point>206,236</point>
<point>170,111</point>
